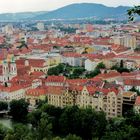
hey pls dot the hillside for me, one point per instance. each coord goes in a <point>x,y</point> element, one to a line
<point>73,11</point>
<point>19,16</point>
<point>85,10</point>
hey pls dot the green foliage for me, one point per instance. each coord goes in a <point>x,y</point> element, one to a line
<point>42,102</point>
<point>82,122</point>
<point>133,11</point>
<point>34,117</point>
<point>57,138</point>
<point>85,123</point>
<point>43,129</point>
<point>5,84</point>
<point>54,116</point>
<point>68,137</point>
<point>3,105</point>
<point>137,49</point>
<point>121,64</point>
<point>93,73</point>
<point>135,90</point>
<point>19,132</point>
<point>96,70</point>
<point>56,70</point>
<point>101,66</point>
<point>66,70</point>
<point>77,72</point>
<point>120,69</point>
<point>72,137</point>
<point>3,132</point>
<point>68,30</point>
<point>73,123</point>
<point>70,121</point>
<point>120,129</point>
<point>19,110</point>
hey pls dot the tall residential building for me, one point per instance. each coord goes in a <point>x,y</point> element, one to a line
<point>8,29</point>
<point>40,26</point>
<point>126,41</point>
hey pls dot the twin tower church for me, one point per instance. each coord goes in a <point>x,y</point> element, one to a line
<point>8,70</point>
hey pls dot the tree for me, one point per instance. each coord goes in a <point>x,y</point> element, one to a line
<point>101,66</point>
<point>19,132</point>
<point>68,137</point>
<point>133,11</point>
<point>19,110</point>
<point>34,117</point>
<point>135,90</point>
<point>3,105</point>
<point>93,73</point>
<point>93,123</point>
<point>72,137</point>
<point>77,72</point>
<point>3,131</point>
<point>121,64</point>
<point>118,129</point>
<point>42,102</point>
<point>54,114</point>
<point>56,70</point>
<point>120,69</point>
<point>96,71</point>
<point>137,49</point>
<point>5,84</point>
<point>70,121</point>
<point>68,30</point>
<point>43,130</point>
<point>57,138</point>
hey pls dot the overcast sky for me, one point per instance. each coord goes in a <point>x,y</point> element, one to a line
<point>47,5</point>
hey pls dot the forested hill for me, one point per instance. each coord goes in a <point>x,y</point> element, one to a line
<point>73,11</point>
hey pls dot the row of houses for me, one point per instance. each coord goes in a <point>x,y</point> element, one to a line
<point>107,91</point>
<point>95,93</point>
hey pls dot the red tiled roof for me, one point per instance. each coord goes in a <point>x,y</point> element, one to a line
<point>76,81</point>
<point>71,55</point>
<point>20,62</point>
<point>12,88</point>
<point>137,102</point>
<point>37,73</point>
<point>93,89</point>
<point>109,75</point>
<point>36,62</point>
<point>132,82</point>
<point>75,88</point>
<point>36,92</point>
<point>57,90</point>
<point>55,79</point>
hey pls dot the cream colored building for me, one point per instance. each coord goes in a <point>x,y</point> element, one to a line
<point>109,101</point>
<point>137,104</point>
<point>89,98</point>
<point>113,104</point>
<point>126,40</point>
<point>12,93</point>
<point>58,96</point>
<point>33,96</point>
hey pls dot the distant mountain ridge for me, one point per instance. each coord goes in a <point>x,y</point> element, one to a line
<point>20,16</point>
<point>73,11</point>
<point>85,10</point>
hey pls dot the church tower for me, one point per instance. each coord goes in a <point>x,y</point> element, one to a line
<point>13,68</point>
<point>5,68</point>
<point>5,71</point>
